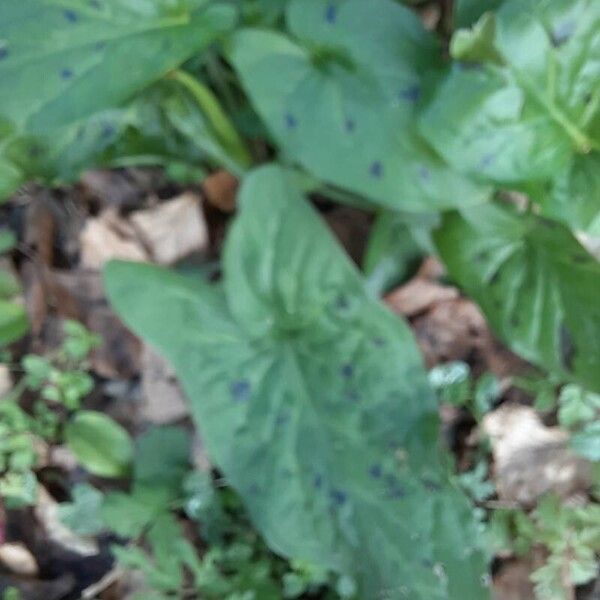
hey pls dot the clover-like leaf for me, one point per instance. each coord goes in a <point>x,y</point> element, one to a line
<point>313,401</point>
<point>530,112</point>
<point>342,99</point>
<point>537,285</point>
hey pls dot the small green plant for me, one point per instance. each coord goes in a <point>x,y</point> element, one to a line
<point>570,535</point>
<point>58,384</point>
<point>454,384</point>
<point>237,565</point>
<point>13,318</point>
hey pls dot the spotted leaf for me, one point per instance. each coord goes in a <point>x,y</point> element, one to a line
<point>341,99</point>
<point>537,285</point>
<point>527,117</point>
<point>313,401</point>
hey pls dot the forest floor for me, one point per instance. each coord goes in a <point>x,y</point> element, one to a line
<point>65,236</point>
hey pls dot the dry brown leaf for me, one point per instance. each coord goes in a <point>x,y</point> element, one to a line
<point>18,559</point>
<point>162,399</point>
<point>220,189</point>
<point>46,511</point>
<point>5,380</point>
<point>172,230</point>
<point>418,296</point>
<point>109,237</point>
<point>530,459</point>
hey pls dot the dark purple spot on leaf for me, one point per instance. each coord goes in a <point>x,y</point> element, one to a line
<point>71,16</point>
<point>339,497</point>
<point>66,74</point>
<point>395,490</point>
<point>427,563</point>
<point>3,51</point>
<point>352,396</point>
<point>282,419</point>
<point>411,93</point>
<point>469,66</point>
<point>35,151</point>
<point>566,347</point>
<point>290,121</point>
<point>341,302</point>
<point>318,481</point>
<point>107,131</point>
<point>581,258</point>
<point>431,485</point>
<point>240,390</point>
<point>375,471</point>
<point>100,45</point>
<point>563,32</point>
<point>349,125</point>
<point>424,173</point>
<point>376,169</point>
<point>331,14</point>
<point>481,256</point>
<point>378,342</point>
<point>347,370</point>
<point>488,159</point>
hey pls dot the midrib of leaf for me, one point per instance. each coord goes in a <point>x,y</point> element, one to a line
<point>26,59</point>
<point>100,15</point>
<point>583,143</point>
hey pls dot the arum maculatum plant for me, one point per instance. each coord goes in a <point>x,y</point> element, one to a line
<point>311,397</point>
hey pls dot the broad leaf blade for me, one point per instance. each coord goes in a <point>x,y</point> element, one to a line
<point>313,401</point>
<point>537,285</point>
<point>535,118</point>
<point>346,108</point>
<point>62,61</point>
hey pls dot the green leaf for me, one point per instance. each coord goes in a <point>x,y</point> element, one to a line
<point>586,442</point>
<point>312,400</point>
<point>13,322</point>
<point>162,458</point>
<point>102,446</point>
<point>56,60</point>
<point>467,12</point>
<point>82,514</point>
<point>395,246</point>
<point>574,197</point>
<point>576,406</point>
<point>64,61</point>
<point>346,109</point>
<point>128,515</point>
<point>8,240</point>
<point>526,121</point>
<point>536,284</point>
<point>477,44</point>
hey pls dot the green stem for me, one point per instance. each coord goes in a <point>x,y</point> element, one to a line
<point>219,122</point>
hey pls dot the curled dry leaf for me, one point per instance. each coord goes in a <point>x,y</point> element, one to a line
<point>172,230</point>
<point>106,237</point>
<point>18,559</point>
<point>162,399</point>
<point>530,459</point>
